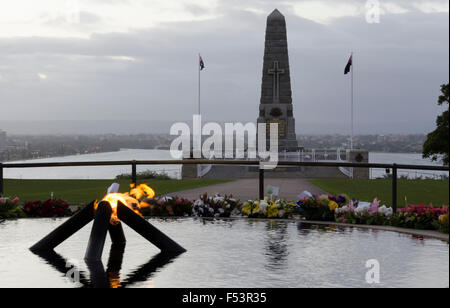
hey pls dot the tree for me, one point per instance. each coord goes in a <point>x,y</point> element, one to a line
<point>436,145</point>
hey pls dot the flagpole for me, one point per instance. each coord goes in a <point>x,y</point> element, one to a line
<point>352,124</point>
<point>199,83</point>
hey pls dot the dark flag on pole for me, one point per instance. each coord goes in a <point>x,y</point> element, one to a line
<point>202,64</point>
<point>348,66</point>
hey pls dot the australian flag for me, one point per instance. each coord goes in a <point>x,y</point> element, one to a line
<point>202,64</point>
<point>348,66</point>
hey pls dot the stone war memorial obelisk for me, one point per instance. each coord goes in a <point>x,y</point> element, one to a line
<point>276,94</point>
<point>276,107</point>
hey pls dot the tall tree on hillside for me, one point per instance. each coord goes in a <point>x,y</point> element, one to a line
<point>437,142</point>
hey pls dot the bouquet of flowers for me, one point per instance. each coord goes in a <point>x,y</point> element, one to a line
<point>216,206</point>
<point>166,206</point>
<point>443,223</point>
<point>268,208</point>
<point>421,217</point>
<point>364,213</point>
<point>10,208</point>
<point>49,208</point>
<point>321,207</point>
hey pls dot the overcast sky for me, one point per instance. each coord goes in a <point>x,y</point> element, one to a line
<point>132,64</point>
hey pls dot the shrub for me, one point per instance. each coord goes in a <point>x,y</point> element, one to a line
<point>420,217</point>
<point>145,175</point>
<point>321,207</point>
<point>49,208</point>
<point>268,208</point>
<point>166,206</point>
<point>10,208</point>
<point>216,206</point>
<point>364,213</point>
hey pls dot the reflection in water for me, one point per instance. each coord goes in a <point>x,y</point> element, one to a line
<point>276,245</point>
<point>61,265</point>
<point>418,240</point>
<point>99,278</point>
<point>147,270</point>
<point>257,255</point>
<point>307,228</point>
<point>115,264</point>
<point>304,229</point>
<point>222,221</point>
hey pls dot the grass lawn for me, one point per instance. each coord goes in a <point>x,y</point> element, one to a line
<point>83,191</point>
<point>416,191</point>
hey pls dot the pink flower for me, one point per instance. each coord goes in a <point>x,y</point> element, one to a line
<point>374,208</point>
<point>15,200</point>
<point>351,206</point>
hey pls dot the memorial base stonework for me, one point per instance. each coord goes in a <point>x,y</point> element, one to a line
<point>359,156</point>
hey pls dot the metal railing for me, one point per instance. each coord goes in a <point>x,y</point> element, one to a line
<point>135,163</point>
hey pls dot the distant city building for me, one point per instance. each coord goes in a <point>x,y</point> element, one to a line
<point>2,139</point>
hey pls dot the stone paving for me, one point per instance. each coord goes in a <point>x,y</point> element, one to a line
<point>245,189</point>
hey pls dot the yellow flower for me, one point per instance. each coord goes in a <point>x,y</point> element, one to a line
<point>272,212</point>
<point>444,219</point>
<point>333,205</point>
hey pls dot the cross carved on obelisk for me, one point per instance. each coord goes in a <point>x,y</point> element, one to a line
<point>276,71</point>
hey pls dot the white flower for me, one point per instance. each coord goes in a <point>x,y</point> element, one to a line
<point>235,212</point>
<point>342,210</point>
<point>263,203</point>
<point>199,203</point>
<point>386,211</point>
<point>263,206</point>
<point>218,199</point>
<point>363,208</point>
<point>390,212</point>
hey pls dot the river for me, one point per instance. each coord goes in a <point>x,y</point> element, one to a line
<point>110,172</point>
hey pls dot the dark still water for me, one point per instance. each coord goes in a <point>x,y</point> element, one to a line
<point>230,253</point>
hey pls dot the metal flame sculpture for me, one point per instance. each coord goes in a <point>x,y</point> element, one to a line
<point>108,215</point>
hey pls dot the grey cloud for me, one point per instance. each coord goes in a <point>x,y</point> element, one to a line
<point>399,65</point>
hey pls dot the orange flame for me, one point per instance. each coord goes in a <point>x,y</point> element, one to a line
<point>130,199</point>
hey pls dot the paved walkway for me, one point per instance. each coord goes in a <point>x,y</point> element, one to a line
<point>244,189</point>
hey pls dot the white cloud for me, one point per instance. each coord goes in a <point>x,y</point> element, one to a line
<point>82,18</point>
<point>432,6</point>
<point>393,8</point>
<point>122,58</point>
<point>56,18</point>
<point>324,11</point>
<point>91,78</point>
<point>42,76</point>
